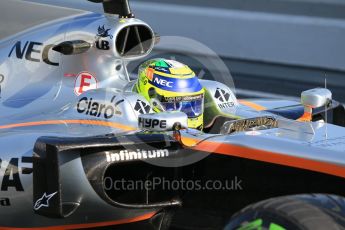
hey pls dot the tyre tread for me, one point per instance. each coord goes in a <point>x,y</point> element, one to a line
<point>306,214</point>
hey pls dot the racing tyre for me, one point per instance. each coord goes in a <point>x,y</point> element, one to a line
<point>297,212</point>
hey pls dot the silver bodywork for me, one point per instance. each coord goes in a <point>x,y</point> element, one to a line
<point>37,91</point>
<point>39,99</point>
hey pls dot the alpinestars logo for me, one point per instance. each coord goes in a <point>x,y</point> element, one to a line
<point>125,155</point>
<point>43,201</point>
<point>222,95</point>
<point>142,107</point>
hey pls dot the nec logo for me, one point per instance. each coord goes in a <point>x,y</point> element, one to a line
<point>32,51</point>
<point>163,82</point>
<point>152,123</point>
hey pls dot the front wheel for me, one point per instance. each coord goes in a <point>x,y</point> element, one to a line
<point>297,212</point>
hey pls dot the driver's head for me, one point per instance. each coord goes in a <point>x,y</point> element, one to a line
<point>172,86</point>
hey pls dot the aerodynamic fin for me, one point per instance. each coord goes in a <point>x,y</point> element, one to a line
<point>120,7</point>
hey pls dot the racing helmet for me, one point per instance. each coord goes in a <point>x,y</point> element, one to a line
<point>172,86</point>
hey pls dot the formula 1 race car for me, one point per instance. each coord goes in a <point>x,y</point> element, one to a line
<point>81,149</point>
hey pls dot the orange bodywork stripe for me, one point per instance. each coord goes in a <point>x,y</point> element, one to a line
<point>90,225</point>
<point>271,157</point>
<point>61,122</point>
<point>252,105</point>
<point>187,141</point>
<point>218,148</point>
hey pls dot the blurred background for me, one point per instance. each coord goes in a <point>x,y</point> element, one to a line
<point>273,48</point>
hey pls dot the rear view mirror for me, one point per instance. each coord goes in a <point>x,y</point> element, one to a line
<point>315,98</point>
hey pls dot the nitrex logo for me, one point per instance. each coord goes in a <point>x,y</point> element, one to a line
<point>142,107</point>
<point>163,82</point>
<point>125,155</point>
<point>223,97</point>
<point>152,123</point>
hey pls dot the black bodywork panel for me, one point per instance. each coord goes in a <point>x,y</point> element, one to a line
<point>50,153</point>
<point>258,180</point>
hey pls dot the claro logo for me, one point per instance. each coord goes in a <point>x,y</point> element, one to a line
<point>125,155</point>
<point>96,109</point>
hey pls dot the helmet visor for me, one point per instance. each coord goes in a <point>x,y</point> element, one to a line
<point>193,106</point>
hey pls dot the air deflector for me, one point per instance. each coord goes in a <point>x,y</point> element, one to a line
<point>120,7</point>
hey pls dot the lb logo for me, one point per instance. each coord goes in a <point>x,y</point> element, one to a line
<point>84,82</point>
<point>102,45</point>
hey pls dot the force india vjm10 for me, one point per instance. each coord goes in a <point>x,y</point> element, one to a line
<point>71,124</point>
